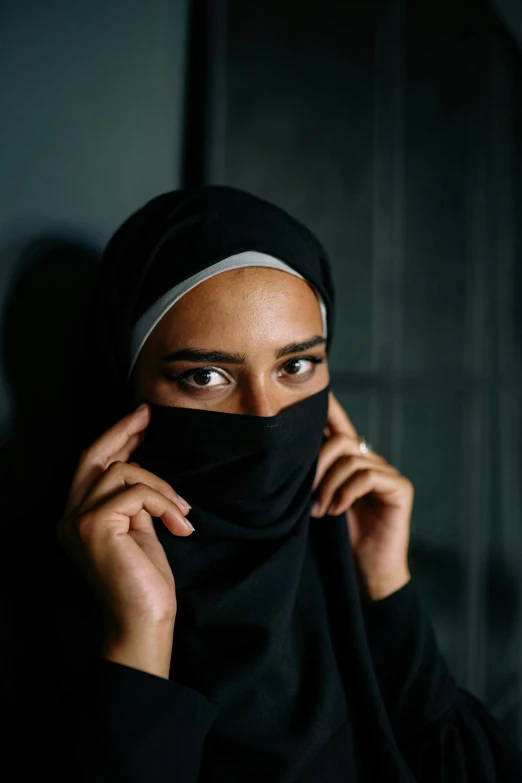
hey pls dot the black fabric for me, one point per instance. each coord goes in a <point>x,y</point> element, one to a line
<point>280,671</point>
<point>251,629</point>
<point>118,724</point>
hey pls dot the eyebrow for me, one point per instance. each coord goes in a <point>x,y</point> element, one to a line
<point>197,355</point>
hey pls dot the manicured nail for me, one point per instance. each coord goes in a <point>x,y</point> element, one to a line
<point>189,525</point>
<point>184,501</point>
<point>315,508</point>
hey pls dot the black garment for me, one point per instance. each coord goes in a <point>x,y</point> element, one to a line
<point>251,629</point>
<point>115,723</point>
<point>279,671</point>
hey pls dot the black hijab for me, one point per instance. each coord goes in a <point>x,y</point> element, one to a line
<point>269,626</point>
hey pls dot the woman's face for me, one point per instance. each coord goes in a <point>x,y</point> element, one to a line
<point>245,341</point>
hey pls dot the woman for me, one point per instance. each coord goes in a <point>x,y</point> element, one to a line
<point>233,600</point>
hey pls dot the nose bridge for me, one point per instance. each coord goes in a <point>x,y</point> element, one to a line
<point>257,398</point>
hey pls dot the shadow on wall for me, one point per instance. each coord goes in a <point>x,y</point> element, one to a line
<point>54,276</point>
<point>46,298</point>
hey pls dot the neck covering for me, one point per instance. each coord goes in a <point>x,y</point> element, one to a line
<point>269,624</point>
<point>251,630</point>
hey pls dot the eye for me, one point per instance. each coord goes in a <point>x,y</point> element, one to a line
<point>206,377</point>
<point>302,366</point>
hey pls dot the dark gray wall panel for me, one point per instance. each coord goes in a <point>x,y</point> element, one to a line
<point>298,116</point>
<point>92,98</point>
<point>393,130</point>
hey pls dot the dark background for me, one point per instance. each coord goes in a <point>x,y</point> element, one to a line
<point>392,129</point>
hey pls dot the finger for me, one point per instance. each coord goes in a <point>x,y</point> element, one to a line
<point>122,513</point>
<point>181,502</point>
<point>118,441</point>
<point>338,420</point>
<point>338,446</point>
<point>391,490</point>
<point>121,475</point>
<point>343,470</point>
<point>91,476</point>
<point>124,454</point>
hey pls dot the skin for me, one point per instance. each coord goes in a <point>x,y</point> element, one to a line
<point>254,312</point>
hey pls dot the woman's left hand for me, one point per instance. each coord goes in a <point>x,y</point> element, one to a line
<point>377,500</point>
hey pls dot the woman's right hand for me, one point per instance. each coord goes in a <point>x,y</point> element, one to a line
<point>107,531</point>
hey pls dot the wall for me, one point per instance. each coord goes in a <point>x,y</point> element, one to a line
<point>510,11</point>
<point>92,106</point>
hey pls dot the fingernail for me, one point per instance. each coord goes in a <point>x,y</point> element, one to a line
<point>141,407</point>
<point>189,525</point>
<point>315,509</point>
<point>184,501</point>
<point>332,509</point>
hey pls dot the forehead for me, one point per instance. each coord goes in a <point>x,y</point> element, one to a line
<point>260,302</point>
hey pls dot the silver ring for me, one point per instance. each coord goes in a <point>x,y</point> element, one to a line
<point>364,446</point>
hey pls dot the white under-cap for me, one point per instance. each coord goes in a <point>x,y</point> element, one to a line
<point>151,317</point>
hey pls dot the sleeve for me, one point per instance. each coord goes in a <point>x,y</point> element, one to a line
<point>443,732</point>
<point>116,725</point>
<point>68,713</point>
<point>140,728</point>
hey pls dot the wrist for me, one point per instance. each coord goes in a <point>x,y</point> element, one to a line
<point>147,648</point>
<point>379,588</point>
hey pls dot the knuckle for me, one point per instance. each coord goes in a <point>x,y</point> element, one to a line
<point>351,460</point>
<point>84,524</point>
<point>141,489</point>
<point>371,474</point>
<point>90,451</point>
<point>116,466</point>
<point>90,458</point>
